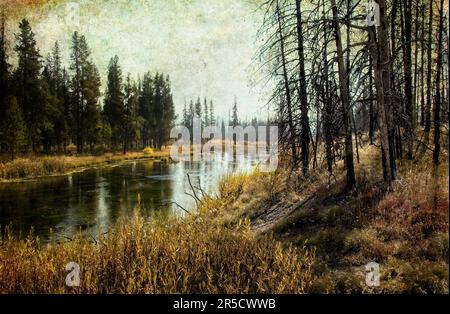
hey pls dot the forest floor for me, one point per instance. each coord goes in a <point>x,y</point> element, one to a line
<point>33,167</point>
<point>404,229</point>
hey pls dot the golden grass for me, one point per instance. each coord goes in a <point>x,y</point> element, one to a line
<point>26,168</point>
<point>403,228</point>
<point>193,255</point>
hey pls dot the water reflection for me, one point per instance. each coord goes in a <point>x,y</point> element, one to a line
<point>96,198</point>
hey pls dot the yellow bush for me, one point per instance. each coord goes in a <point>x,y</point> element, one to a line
<point>148,151</point>
<point>231,186</point>
<point>71,148</point>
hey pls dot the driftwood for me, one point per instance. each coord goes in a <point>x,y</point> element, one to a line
<point>277,212</point>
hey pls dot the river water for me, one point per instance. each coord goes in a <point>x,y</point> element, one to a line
<point>94,199</point>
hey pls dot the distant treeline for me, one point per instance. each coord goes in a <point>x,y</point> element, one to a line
<point>47,107</point>
<point>205,113</point>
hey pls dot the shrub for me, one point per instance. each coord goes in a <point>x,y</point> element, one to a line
<point>329,241</point>
<point>71,148</point>
<point>414,276</point>
<point>338,282</point>
<point>148,151</point>
<point>231,186</point>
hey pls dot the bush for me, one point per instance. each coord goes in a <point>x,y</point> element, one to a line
<point>148,151</point>
<point>338,282</point>
<point>414,276</point>
<point>329,241</point>
<point>72,149</point>
<point>232,186</point>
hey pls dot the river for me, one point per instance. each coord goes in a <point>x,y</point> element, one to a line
<point>94,199</point>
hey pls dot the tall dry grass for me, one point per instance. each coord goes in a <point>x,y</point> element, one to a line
<point>26,168</point>
<point>193,255</point>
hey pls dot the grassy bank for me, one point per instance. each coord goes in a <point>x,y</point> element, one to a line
<point>34,167</point>
<point>404,229</point>
<point>194,255</point>
<point>264,233</point>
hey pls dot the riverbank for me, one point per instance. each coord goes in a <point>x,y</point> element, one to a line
<point>194,254</point>
<point>22,169</point>
<point>263,233</point>
<point>403,229</point>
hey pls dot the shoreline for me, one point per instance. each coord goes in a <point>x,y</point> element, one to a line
<point>278,224</point>
<point>77,164</point>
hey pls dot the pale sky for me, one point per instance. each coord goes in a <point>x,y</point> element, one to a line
<point>206,46</point>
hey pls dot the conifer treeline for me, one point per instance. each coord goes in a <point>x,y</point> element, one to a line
<point>46,107</point>
<point>207,118</point>
<point>204,112</point>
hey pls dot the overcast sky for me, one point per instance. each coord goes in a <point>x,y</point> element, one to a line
<point>206,46</point>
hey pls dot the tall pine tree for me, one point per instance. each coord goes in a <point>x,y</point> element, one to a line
<point>27,82</point>
<point>113,108</point>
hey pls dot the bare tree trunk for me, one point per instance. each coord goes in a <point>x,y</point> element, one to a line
<point>316,144</point>
<point>356,137</point>
<point>380,55</point>
<point>286,85</point>
<point>371,113</point>
<point>351,179</point>
<point>328,109</point>
<point>429,82</point>
<point>422,69</point>
<point>416,59</point>
<point>448,71</point>
<point>437,105</point>
<point>407,13</point>
<point>304,120</point>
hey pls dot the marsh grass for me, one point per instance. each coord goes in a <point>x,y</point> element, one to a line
<point>27,168</point>
<point>193,255</point>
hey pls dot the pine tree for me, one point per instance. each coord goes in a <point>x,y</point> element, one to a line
<point>212,119</point>
<point>13,126</point>
<point>56,69</point>
<point>129,123</point>
<point>157,109</point>
<point>198,108</point>
<point>50,106</point>
<point>191,113</point>
<point>168,116</point>
<point>54,129</point>
<point>91,110</point>
<point>79,58</point>
<point>27,82</point>
<point>223,129</point>
<point>113,108</point>
<point>185,118</point>
<point>234,114</point>
<point>145,109</point>
<point>59,89</point>
<point>66,99</point>
<point>206,115</point>
<point>85,93</point>
<point>4,74</point>
<point>4,66</point>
